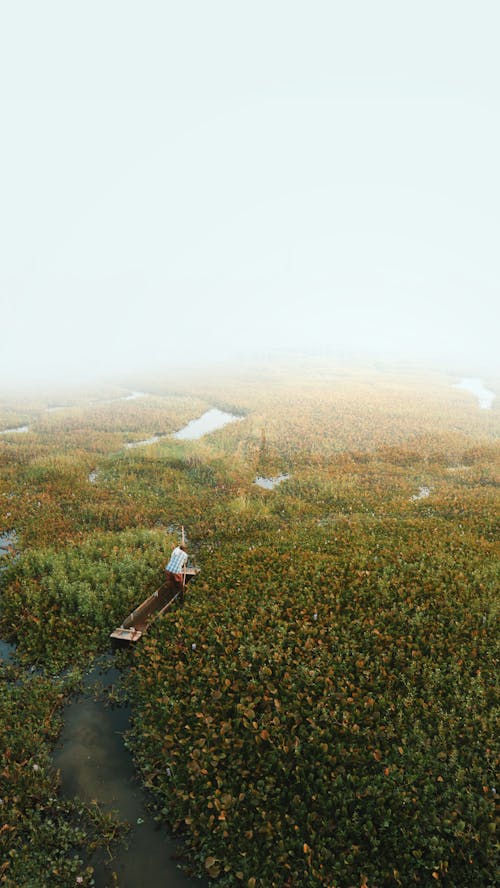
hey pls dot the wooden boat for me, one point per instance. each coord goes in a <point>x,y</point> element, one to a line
<point>136,624</point>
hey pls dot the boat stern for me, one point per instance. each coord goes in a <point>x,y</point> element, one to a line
<point>124,638</point>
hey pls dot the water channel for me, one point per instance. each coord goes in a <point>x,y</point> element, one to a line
<point>94,764</point>
<point>53,408</point>
<point>210,421</point>
<point>15,431</point>
<point>476,387</point>
<point>153,440</point>
<point>7,544</point>
<point>130,397</point>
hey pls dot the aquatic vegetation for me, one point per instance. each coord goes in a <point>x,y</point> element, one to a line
<point>329,693</point>
<point>43,837</point>
<point>321,711</point>
<point>69,597</point>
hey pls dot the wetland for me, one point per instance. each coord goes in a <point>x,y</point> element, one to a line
<point>323,704</point>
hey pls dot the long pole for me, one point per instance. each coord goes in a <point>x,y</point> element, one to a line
<point>184,567</point>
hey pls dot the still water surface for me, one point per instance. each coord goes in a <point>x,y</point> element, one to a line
<point>7,544</point>
<point>270,483</point>
<point>210,421</point>
<point>15,431</point>
<point>152,440</point>
<point>95,764</point>
<point>476,387</point>
<point>6,651</point>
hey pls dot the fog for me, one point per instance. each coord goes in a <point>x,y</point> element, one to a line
<point>209,181</point>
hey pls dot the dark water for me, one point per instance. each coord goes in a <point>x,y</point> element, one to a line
<point>6,652</point>
<point>95,764</point>
<point>7,544</point>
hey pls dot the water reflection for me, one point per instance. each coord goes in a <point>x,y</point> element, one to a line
<point>133,395</point>
<point>15,431</point>
<point>476,387</point>
<point>95,764</point>
<point>7,545</point>
<point>270,483</point>
<point>152,440</point>
<point>210,421</point>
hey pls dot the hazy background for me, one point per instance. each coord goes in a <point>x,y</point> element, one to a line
<point>213,179</point>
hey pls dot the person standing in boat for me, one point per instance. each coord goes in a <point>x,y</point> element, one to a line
<point>175,567</point>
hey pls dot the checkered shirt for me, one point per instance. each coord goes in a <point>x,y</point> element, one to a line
<point>177,561</point>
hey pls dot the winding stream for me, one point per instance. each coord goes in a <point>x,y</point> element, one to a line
<point>53,408</point>
<point>210,421</point>
<point>152,440</point>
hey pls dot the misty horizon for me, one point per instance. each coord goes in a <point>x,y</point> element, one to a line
<point>222,184</point>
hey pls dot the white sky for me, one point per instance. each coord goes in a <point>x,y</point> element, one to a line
<point>203,179</point>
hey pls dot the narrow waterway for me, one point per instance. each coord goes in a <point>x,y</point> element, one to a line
<point>15,431</point>
<point>6,652</point>
<point>131,396</point>
<point>7,544</point>
<point>210,421</point>
<point>95,764</point>
<point>152,440</point>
